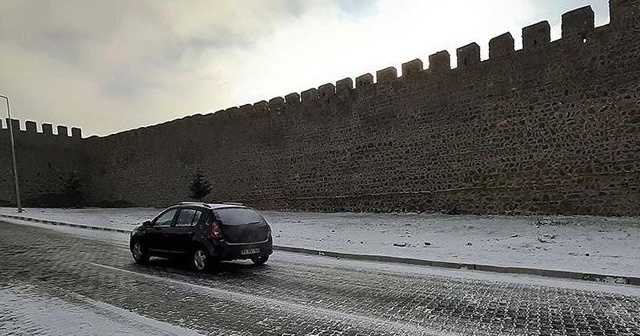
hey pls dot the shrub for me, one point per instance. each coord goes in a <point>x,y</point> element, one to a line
<point>73,190</point>
<point>199,187</point>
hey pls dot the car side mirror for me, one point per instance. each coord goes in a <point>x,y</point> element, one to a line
<point>146,224</point>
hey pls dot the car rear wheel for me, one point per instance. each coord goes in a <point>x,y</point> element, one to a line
<point>260,260</point>
<point>139,252</point>
<point>200,259</point>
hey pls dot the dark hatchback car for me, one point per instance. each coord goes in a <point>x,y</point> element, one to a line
<point>205,233</point>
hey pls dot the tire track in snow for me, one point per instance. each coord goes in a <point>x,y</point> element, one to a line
<point>380,324</point>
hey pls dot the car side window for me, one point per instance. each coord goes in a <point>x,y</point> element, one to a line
<point>188,217</point>
<point>165,219</point>
<point>196,217</point>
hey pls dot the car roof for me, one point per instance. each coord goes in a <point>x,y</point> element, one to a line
<point>213,206</point>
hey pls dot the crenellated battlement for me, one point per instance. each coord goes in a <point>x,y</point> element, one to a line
<point>386,75</point>
<point>536,36</point>
<point>363,81</point>
<point>292,98</point>
<point>440,62</point>
<point>276,103</point>
<point>343,85</point>
<point>31,127</point>
<point>412,67</point>
<point>625,14</point>
<point>325,91</point>
<point>577,26</point>
<point>310,95</point>
<point>501,46</point>
<point>468,55</point>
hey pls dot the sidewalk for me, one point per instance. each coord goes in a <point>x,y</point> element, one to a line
<point>581,244</point>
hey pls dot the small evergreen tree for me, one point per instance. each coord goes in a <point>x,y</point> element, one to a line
<point>73,190</point>
<point>199,187</point>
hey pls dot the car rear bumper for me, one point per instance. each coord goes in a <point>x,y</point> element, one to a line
<point>222,250</point>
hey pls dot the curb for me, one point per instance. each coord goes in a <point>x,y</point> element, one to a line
<point>476,267</point>
<point>81,226</point>
<point>604,278</point>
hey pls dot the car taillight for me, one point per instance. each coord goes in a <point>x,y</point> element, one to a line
<point>214,231</point>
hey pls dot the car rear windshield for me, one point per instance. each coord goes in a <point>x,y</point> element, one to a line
<point>238,216</point>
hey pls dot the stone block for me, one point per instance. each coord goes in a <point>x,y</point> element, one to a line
<point>536,36</point>
<point>576,24</point>
<point>412,67</point>
<point>47,129</point>
<point>345,84</point>
<point>276,103</point>
<point>468,55</point>
<point>292,98</point>
<point>364,80</point>
<point>63,131</point>
<point>386,75</point>
<point>309,95</point>
<point>440,62</point>
<point>76,132</point>
<point>501,46</point>
<point>31,126</point>
<point>326,91</point>
<point>624,13</point>
<point>260,106</point>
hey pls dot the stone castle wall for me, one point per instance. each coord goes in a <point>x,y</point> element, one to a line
<point>45,159</point>
<point>551,128</point>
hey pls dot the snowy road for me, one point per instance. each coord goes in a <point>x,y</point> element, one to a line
<point>92,287</point>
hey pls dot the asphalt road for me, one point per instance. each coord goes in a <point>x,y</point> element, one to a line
<point>304,295</point>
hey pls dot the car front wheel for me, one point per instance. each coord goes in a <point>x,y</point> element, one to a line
<point>200,259</point>
<point>139,252</point>
<point>260,260</point>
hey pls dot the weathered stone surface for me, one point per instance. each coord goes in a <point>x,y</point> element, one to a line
<point>551,128</point>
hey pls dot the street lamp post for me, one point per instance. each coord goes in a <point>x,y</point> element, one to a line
<point>13,155</point>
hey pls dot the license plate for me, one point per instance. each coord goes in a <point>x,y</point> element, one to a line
<point>250,251</point>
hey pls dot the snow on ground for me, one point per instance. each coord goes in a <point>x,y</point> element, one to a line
<point>26,312</point>
<point>580,243</point>
<point>604,245</point>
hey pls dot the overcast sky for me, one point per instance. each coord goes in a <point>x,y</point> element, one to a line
<point>109,66</point>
